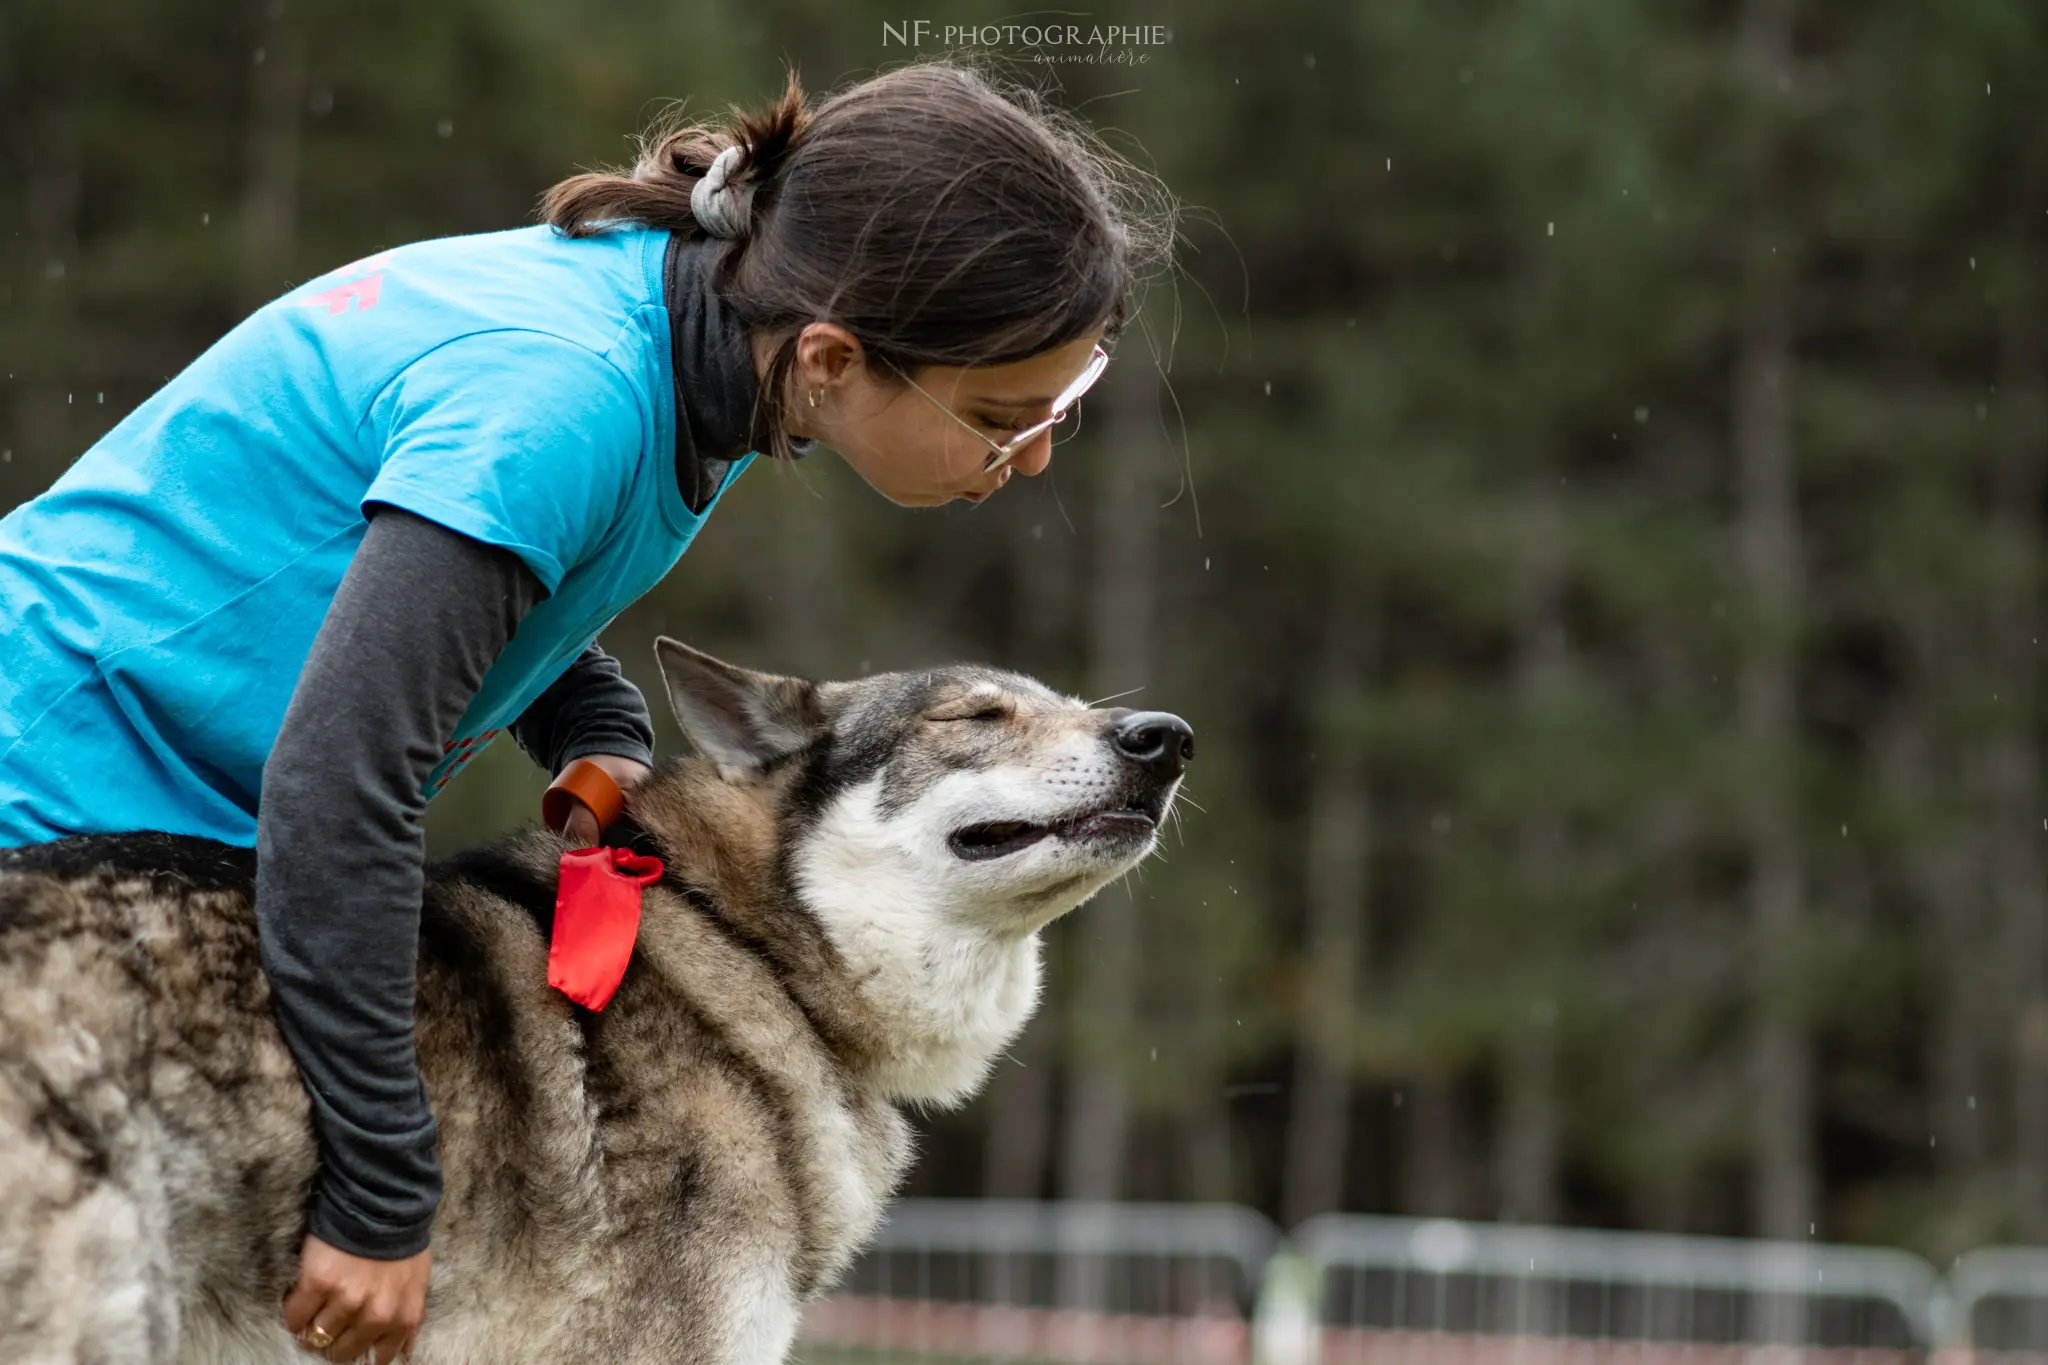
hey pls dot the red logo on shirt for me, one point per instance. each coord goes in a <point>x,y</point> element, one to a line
<point>362,291</point>
<point>454,754</point>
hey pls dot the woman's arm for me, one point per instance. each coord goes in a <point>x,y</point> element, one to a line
<point>419,618</point>
<point>593,708</point>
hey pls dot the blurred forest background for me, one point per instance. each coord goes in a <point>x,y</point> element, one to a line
<point>1585,486</point>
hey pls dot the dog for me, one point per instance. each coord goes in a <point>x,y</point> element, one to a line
<point>856,877</point>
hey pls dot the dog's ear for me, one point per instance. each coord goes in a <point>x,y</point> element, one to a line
<point>739,719</point>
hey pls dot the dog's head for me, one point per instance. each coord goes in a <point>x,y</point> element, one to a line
<point>933,822</point>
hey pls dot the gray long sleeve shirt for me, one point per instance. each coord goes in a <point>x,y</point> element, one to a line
<point>413,628</point>
<point>420,616</point>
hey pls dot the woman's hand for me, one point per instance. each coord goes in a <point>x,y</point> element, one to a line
<point>582,830</point>
<point>366,1308</point>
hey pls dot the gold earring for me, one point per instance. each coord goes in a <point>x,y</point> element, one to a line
<point>814,398</point>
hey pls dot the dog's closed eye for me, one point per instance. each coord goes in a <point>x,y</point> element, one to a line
<point>992,711</point>
<point>985,706</point>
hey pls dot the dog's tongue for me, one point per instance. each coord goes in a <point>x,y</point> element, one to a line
<point>597,917</point>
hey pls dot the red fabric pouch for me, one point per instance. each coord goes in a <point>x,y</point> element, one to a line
<point>597,917</point>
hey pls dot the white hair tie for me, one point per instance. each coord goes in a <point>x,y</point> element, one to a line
<point>720,207</point>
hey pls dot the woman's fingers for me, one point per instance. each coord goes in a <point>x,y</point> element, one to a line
<point>302,1304</point>
<point>581,831</point>
<point>371,1325</point>
<point>393,1346</point>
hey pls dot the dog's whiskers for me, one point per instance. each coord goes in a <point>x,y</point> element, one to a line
<point>1114,695</point>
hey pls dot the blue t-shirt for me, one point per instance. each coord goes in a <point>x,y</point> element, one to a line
<point>159,601</point>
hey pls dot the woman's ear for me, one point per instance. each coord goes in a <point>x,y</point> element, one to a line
<point>826,354</point>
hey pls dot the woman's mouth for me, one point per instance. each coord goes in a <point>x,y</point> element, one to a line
<point>982,496</point>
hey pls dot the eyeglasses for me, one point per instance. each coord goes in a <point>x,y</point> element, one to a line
<point>1007,451</point>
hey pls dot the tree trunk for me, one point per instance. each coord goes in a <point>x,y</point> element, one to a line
<point>1784,1196</point>
<point>1435,1184</point>
<point>1104,936</point>
<point>1940,865</point>
<point>1016,1145</point>
<point>1339,862</point>
<point>2013,775</point>
<point>40,444</point>
<point>1208,1173</point>
<point>1529,1127</point>
<point>270,190</point>
<point>807,607</point>
<point>1783,1112</point>
<point>1672,918</point>
<point>1667,1089</point>
<point>1019,1137</point>
<point>1528,1153</point>
<point>1018,1142</point>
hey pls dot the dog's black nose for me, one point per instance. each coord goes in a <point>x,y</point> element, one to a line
<point>1156,741</point>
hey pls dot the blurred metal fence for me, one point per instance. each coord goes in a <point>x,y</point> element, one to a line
<point>1131,1284</point>
<point>1998,1298</point>
<point>1008,1280</point>
<point>1436,1292</point>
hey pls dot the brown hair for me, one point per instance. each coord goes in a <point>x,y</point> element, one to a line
<point>942,217</point>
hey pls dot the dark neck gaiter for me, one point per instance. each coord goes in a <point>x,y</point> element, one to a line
<point>714,373</point>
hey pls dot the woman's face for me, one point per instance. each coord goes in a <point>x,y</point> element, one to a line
<point>902,442</point>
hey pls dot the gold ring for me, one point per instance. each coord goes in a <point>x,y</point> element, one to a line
<point>318,1337</point>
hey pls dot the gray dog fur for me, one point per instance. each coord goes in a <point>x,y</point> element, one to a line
<point>668,1180</point>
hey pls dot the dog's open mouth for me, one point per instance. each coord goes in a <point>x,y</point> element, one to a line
<point>1001,838</point>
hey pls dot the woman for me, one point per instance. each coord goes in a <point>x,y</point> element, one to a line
<point>383,520</point>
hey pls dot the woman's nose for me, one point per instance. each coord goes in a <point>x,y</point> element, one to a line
<point>1035,456</point>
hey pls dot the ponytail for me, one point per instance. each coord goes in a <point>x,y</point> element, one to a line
<point>656,193</point>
